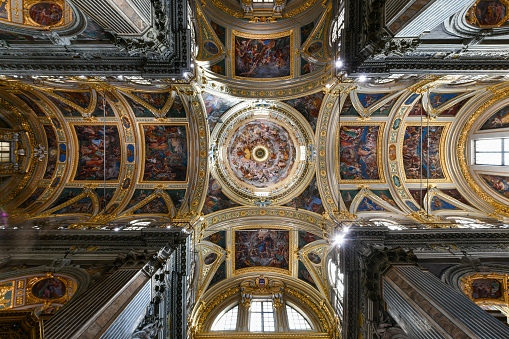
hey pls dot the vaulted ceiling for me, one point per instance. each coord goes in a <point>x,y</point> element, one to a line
<point>262,144</point>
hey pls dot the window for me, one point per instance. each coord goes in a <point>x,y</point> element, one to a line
<point>296,320</point>
<point>262,317</point>
<point>5,151</point>
<point>492,151</point>
<point>227,321</point>
<point>263,0</point>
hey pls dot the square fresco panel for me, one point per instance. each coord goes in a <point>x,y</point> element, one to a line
<point>165,153</point>
<point>359,160</point>
<point>415,143</point>
<point>262,248</point>
<point>98,150</point>
<point>262,58</point>
<point>486,288</point>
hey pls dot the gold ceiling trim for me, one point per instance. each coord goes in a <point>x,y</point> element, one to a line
<point>498,94</point>
<point>237,14</point>
<point>32,143</point>
<point>236,33</point>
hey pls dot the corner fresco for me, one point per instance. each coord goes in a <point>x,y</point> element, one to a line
<point>81,99</point>
<point>309,199</point>
<point>98,150</point>
<point>358,152</point>
<point>415,143</point>
<point>440,204</point>
<point>385,109</point>
<point>307,67</point>
<point>157,100</point>
<point>177,109</point>
<point>454,193</point>
<point>417,109</point>
<point>102,108</point>
<point>386,196</point>
<point>497,120</point>
<point>154,206</point>
<point>33,197</point>
<point>368,205</point>
<point>37,110</point>
<point>105,196</point>
<point>307,238</point>
<point>66,110</point>
<point>219,275</point>
<point>66,195</point>
<point>216,200</point>
<point>220,32</point>
<point>499,183</point>
<point>138,196</point>
<point>219,67</point>
<point>454,109</point>
<point>348,108</point>
<point>438,99</point>
<point>52,151</point>
<point>262,58</point>
<point>348,196</point>
<point>139,110</point>
<point>177,197</point>
<point>262,248</point>
<point>308,106</point>
<point>218,238</point>
<point>165,153</point>
<point>368,99</point>
<point>305,31</point>
<point>216,106</point>
<point>82,206</point>
<point>304,275</point>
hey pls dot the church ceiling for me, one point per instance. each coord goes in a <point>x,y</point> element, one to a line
<point>261,152</point>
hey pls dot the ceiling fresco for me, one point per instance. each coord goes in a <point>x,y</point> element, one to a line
<point>261,155</point>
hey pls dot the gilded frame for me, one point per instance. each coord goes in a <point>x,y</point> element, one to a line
<point>76,154</point>
<point>236,33</point>
<point>379,150</point>
<point>141,173</point>
<point>291,250</point>
<point>466,284</point>
<point>443,163</point>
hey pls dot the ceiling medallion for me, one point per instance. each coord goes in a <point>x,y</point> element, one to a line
<point>262,154</point>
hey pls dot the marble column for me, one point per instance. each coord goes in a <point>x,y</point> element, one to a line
<point>425,307</point>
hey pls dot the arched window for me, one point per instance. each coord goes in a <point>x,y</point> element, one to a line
<point>261,318</point>
<point>227,320</point>
<point>5,151</point>
<point>492,151</point>
<point>296,320</point>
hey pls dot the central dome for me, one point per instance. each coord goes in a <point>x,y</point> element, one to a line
<point>261,153</point>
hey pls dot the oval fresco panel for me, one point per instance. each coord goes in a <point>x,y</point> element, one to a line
<point>315,47</point>
<point>209,259</point>
<point>210,47</point>
<point>314,258</point>
<point>49,288</point>
<point>46,13</point>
